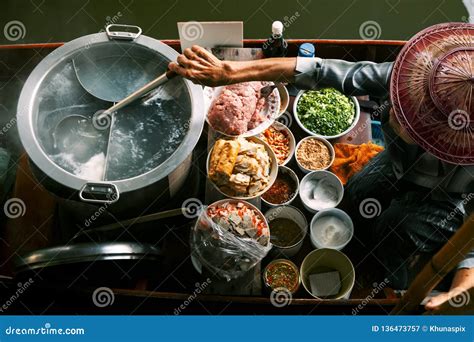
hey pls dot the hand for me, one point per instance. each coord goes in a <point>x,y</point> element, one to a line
<point>201,67</point>
<point>435,302</point>
<point>463,281</point>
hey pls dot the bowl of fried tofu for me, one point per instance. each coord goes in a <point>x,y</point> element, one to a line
<point>242,168</point>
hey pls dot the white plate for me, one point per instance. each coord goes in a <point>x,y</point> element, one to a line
<point>271,110</point>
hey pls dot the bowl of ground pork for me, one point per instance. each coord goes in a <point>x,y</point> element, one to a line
<point>240,110</point>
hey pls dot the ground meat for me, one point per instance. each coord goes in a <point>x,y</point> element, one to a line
<point>237,109</point>
<point>257,117</point>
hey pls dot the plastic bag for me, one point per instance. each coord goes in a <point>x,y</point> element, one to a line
<point>223,251</point>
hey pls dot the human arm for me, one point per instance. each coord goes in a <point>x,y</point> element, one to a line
<point>201,67</point>
<point>359,78</point>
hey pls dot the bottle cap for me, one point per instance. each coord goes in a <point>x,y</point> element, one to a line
<point>277,28</point>
<point>306,50</point>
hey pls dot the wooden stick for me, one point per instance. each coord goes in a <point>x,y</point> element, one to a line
<point>451,254</point>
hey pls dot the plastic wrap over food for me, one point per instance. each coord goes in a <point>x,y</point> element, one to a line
<point>230,237</point>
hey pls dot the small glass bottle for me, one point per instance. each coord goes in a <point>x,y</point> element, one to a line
<point>276,45</point>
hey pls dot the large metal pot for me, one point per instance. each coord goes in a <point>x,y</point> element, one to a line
<point>147,148</point>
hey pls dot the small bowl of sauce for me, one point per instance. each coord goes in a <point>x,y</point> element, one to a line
<point>282,274</point>
<point>284,190</point>
<point>288,228</point>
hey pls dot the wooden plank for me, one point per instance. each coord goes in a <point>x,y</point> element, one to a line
<point>247,43</point>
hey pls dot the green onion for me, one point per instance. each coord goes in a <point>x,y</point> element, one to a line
<point>326,111</point>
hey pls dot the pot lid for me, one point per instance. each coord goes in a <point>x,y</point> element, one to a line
<point>85,253</point>
<point>142,144</point>
<point>432,89</point>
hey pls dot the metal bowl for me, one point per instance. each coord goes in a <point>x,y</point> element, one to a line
<point>289,263</point>
<point>295,215</point>
<point>328,176</point>
<point>327,143</point>
<point>292,141</point>
<point>285,169</point>
<point>354,122</point>
<point>328,259</point>
<point>273,170</point>
<point>332,212</point>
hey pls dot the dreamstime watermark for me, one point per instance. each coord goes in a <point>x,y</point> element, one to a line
<point>377,112</point>
<point>215,6</point>
<point>375,290</point>
<point>459,119</point>
<point>281,297</point>
<point>102,297</point>
<point>110,20</point>
<point>47,329</point>
<point>187,124</point>
<point>460,300</point>
<point>370,208</point>
<point>22,287</point>
<point>192,208</point>
<point>466,198</point>
<point>192,30</point>
<point>14,208</point>
<point>393,4</point>
<point>198,290</point>
<point>290,20</point>
<point>111,199</point>
<point>8,126</point>
<point>101,120</point>
<point>370,30</point>
<point>14,30</point>
<point>274,213</point>
<point>286,119</point>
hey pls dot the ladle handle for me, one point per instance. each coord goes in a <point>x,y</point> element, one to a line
<point>139,93</point>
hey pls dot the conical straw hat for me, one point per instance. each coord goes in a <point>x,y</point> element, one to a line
<point>432,91</point>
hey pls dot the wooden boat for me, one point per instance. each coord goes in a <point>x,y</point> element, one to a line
<point>160,290</point>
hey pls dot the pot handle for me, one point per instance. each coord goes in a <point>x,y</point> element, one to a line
<point>123,35</point>
<point>106,193</point>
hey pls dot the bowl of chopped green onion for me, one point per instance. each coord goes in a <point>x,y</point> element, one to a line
<point>326,112</point>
